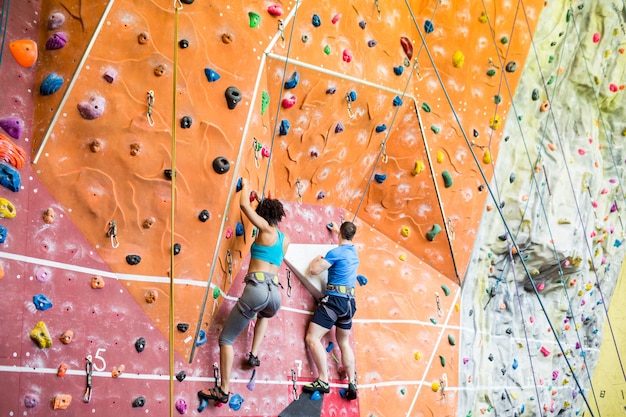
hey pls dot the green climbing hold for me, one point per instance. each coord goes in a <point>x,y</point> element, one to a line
<point>403,391</point>
<point>255,19</point>
<point>451,340</point>
<point>568,17</point>
<point>504,40</point>
<point>442,360</point>
<point>497,99</point>
<point>435,129</point>
<point>550,80</point>
<point>434,232</point>
<point>216,293</point>
<point>550,59</point>
<point>327,50</point>
<point>447,179</point>
<point>426,107</point>
<point>265,101</point>
<point>445,289</point>
<point>433,321</point>
<point>491,72</point>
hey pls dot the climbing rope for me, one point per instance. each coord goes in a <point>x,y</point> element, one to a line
<point>4,23</point>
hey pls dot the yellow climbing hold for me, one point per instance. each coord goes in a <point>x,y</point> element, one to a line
<point>402,257</point>
<point>440,157</point>
<point>624,132</point>
<point>457,307</point>
<point>494,122</point>
<point>514,395</point>
<point>417,355</point>
<point>487,157</point>
<point>435,386</point>
<point>41,336</point>
<point>483,17</point>
<point>419,167</point>
<point>405,231</point>
<point>7,209</point>
<point>458,59</point>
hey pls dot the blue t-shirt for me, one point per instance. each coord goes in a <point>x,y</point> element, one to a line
<point>344,262</point>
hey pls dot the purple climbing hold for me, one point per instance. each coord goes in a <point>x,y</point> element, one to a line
<point>320,196</point>
<point>9,177</point>
<point>93,108</point>
<point>331,90</point>
<point>110,75</point>
<point>51,84</point>
<point>13,126</point>
<point>55,20</point>
<point>211,75</point>
<point>56,41</point>
<point>181,405</point>
<point>339,128</point>
<point>30,401</point>
<point>428,26</point>
<point>371,43</point>
<point>362,24</point>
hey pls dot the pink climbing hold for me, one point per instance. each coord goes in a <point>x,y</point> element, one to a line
<point>229,233</point>
<point>596,37</point>
<point>289,101</point>
<point>544,351</point>
<point>465,361</point>
<point>275,10</point>
<point>265,151</point>
<point>531,319</point>
<point>541,286</point>
<point>555,375</point>
<point>581,152</point>
<point>347,55</point>
<point>336,18</point>
<point>613,88</point>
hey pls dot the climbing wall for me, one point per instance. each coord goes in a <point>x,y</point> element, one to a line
<point>390,114</point>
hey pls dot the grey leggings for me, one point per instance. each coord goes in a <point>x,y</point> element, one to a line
<point>260,296</point>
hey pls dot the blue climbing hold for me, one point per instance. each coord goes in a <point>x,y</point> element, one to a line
<point>397,101</point>
<point>398,70</point>
<point>3,234</point>
<point>381,128</point>
<point>284,127</point>
<point>617,243</point>
<point>316,21</point>
<point>293,81</point>
<point>201,340</point>
<point>330,347</point>
<point>239,231</point>
<point>42,302</point>
<point>235,402</point>
<point>339,128</point>
<point>9,177</point>
<point>352,95</point>
<point>51,84</point>
<point>362,280</point>
<point>203,404</point>
<point>316,396</point>
<point>428,26</point>
<point>515,364</point>
<point>211,75</point>
<point>380,178</point>
<point>239,184</point>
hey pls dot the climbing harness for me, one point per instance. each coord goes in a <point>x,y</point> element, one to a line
<point>150,107</point>
<point>294,386</point>
<point>112,233</point>
<point>89,371</point>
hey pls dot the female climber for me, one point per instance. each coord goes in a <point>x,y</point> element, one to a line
<point>261,295</point>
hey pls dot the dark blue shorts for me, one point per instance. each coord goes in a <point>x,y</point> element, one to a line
<point>335,310</point>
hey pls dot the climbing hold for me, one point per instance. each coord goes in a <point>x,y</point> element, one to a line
<point>187,1</point>
<point>251,384</point>
<point>95,145</point>
<point>596,37</point>
<point>417,355</point>
<point>182,327</point>
<point>118,371</point>
<point>143,38</point>
<point>321,195</point>
<point>487,157</point>
<point>347,55</point>
<point>435,386</point>
<point>316,396</point>
<point>447,179</point>
<point>436,129</point>
<point>41,336</point>
<point>265,102</point>
<point>515,364</point>
<point>7,209</point>
<point>110,75</point>
<point>458,59</point>
<point>255,19</point>
<point>201,340</point>
<point>380,178</point>
<point>181,376</point>
<point>211,75</point>
<point>140,344</point>
<point>183,44</point>
<point>339,127</point>
<point>289,101</point>
<point>535,94</point>
<point>426,107</point>
<point>613,88</point>
<point>133,259</point>
<point>275,9</point>
<point>304,38</point>
<point>233,97</point>
<point>491,72</point>
<point>451,340</point>
<point>316,21</point>
<point>352,95</point>
<point>216,292</point>
<point>381,128</point>
<point>221,165</point>
<point>293,80</point>
<point>55,20</point>
<point>284,127</point>
<point>442,360</point>
<point>42,303</point>
<point>544,351</point>
<point>419,167</point>
<point>24,51</point>
<point>512,178</point>
<point>405,231</point>
<point>545,106</point>
<point>61,401</point>
<point>62,370</point>
<point>433,232</point>
<point>327,49</point>
<point>167,173</point>
<point>372,43</point>
<point>445,289</point>
<point>497,99</point>
<point>135,148</point>
<point>504,40</point>
<point>51,84</point>
<point>428,26</point>
<point>56,41</point>
<point>139,402</point>
<point>93,108</point>
<point>181,406</point>
<point>362,24</point>
<point>13,126</point>
<point>483,17</point>
<point>397,101</point>
<point>433,320</point>
<point>97,282</point>
<point>362,280</point>
<point>331,90</point>
<point>151,296</point>
<point>407,46</point>
<point>398,70</point>
<point>511,66</point>
<point>66,337</point>
<point>3,237</point>
<point>9,177</point>
<point>336,18</point>
<point>239,230</point>
<point>227,38</point>
<point>185,122</point>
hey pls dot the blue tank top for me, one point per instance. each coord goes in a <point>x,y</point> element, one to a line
<point>272,254</point>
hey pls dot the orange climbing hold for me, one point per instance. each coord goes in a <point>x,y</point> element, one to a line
<point>545,106</point>
<point>24,51</point>
<point>11,153</point>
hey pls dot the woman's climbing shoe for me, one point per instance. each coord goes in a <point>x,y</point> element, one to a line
<point>317,385</point>
<point>215,393</point>
<point>352,391</point>
<point>253,360</point>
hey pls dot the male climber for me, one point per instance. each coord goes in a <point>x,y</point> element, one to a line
<point>336,308</point>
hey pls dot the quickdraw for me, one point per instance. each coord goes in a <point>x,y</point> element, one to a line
<point>289,283</point>
<point>377,8</point>
<point>112,233</point>
<point>229,262</point>
<point>293,381</point>
<point>299,190</point>
<point>439,312</point>
<point>281,29</point>
<point>256,146</point>
<point>349,101</point>
<point>150,106</point>
<point>89,371</point>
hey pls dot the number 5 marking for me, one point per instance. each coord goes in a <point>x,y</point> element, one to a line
<point>97,356</point>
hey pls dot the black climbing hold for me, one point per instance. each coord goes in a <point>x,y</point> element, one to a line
<point>204,215</point>
<point>502,237</point>
<point>182,327</point>
<point>139,401</point>
<point>316,21</point>
<point>371,43</point>
<point>471,312</point>
<point>303,406</point>
<point>506,139</point>
<point>140,344</point>
<point>512,178</point>
<point>502,204</point>
<point>553,43</point>
<point>535,95</point>
<point>181,375</point>
<point>283,130</point>
<point>503,370</point>
<point>497,99</point>
<point>331,90</point>
<point>187,1</point>
<point>339,127</point>
<point>167,173</point>
<point>511,66</point>
<point>509,331</point>
<point>185,122</point>
<point>177,248</point>
<point>491,357</point>
<point>428,26</point>
<point>183,43</point>
<point>233,97</point>
<point>133,259</point>
<point>362,24</point>
<point>221,165</point>
<point>475,133</point>
<point>481,187</point>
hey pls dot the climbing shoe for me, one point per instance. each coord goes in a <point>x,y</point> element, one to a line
<point>253,360</point>
<point>317,385</point>
<point>352,391</point>
<point>215,394</point>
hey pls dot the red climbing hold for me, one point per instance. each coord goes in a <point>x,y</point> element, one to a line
<point>289,101</point>
<point>407,45</point>
<point>347,55</point>
<point>275,10</point>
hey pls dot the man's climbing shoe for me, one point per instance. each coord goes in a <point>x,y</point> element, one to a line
<point>317,385</point>
<point>215,393</point>
<point>352,391</point>
<point>253,360</point>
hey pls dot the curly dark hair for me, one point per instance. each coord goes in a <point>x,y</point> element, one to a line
<point>271,210</point>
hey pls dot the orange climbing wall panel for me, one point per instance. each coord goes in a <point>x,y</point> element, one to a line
<point>88,171</point>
